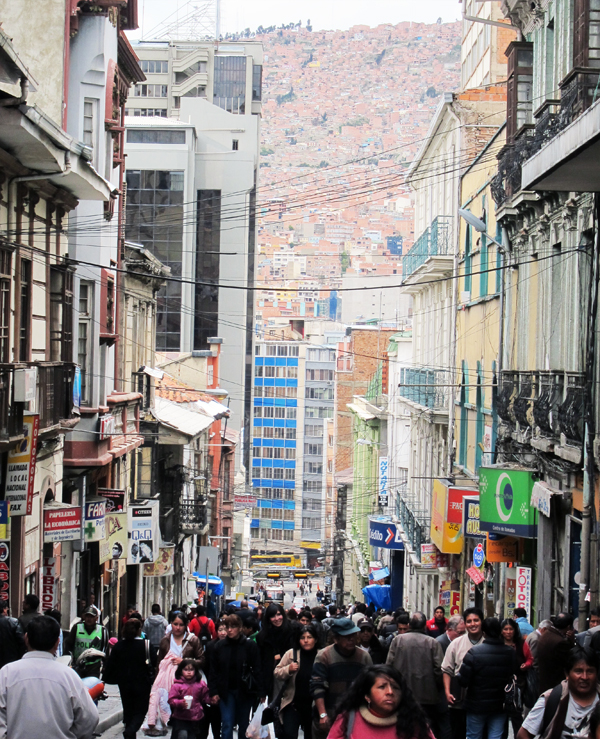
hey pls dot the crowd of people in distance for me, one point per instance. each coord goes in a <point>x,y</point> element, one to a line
<point>355,673</point>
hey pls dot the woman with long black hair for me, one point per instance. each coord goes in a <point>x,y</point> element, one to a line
<point>379,705</point>
<point>274,639</point>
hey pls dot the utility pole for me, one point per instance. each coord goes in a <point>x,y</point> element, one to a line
<point>338,543</point>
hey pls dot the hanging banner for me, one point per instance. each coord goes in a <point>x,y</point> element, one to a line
<point>505,501</point>
<point>383,482</point>
<point>164,565</point>
<point>50,584</point>
<point>114,546</point>
<point>5,570</point>
<point>523,589</point>
<point>20,469</point>
<point>476,575</point>
<point>4,520</point>
<point>95,512</point>
<point>115,499</point>
<point>62,524</point>
<point>143,538</point>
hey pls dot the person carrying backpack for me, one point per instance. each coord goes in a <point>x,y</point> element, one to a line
<point>202,627</point>
<point>565,710</point>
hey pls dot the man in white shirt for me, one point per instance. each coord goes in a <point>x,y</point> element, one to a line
<point>40,697</point>
<point>566,709</point>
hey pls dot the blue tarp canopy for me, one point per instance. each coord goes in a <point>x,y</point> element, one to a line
<point>215,584</point>
<point>379,595</point>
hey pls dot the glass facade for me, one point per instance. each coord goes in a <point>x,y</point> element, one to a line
<point>208,246</point>
<point>229,84</point>
<point>154,218</point>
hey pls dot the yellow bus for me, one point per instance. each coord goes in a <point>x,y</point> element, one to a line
<point>274,561</point>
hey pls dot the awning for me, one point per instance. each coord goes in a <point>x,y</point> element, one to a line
<point>541,496</point>
<point>379,595</point>
<point>215,584</point>
<point>151,372</point>
<point>174,416</point>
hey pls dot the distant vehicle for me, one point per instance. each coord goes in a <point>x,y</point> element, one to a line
<point>273,595</point>
<point>299,603</point>
<point>274,561</point>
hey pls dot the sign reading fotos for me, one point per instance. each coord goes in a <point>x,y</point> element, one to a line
<point>143,537</point>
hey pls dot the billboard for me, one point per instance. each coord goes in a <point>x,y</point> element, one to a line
<point>447,516</point>
<point>143,537</point>
<point>20,469</point>
<point>114,546</point>
<point>62,524</point>
<point>505,501</point>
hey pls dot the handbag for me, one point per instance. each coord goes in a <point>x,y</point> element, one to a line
<point>513,698</point>
<point>248,680</point>
<point>149,667</point>
<point>271,713</point>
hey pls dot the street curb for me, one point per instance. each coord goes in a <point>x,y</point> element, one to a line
<point>110,721</point>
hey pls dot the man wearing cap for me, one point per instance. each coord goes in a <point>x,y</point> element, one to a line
<point>88,634</point>
<point>334,669</point>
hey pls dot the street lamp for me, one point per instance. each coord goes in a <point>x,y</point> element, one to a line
<point>478,225</point>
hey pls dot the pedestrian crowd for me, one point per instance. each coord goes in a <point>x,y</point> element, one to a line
<point>357,673</point>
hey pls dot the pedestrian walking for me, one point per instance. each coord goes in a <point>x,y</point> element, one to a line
<point>511,636</point>
<point>273,640</point>
<point>419,659</point>
<point>212,711</point>
<point>88,634</point>
<point>187,698</point>
<point>40,696</point>
<point>202,626</point>
<point>379,705</point>
<point>454,629</point>
<point>129,665</point>
<point>553,649</point>
<point>437,625</point>
<point>565,710</point>
<point>369,642</point>
<point>235,678</point>
<point>31,603</point>
<point>520,616</point>
<point>485,671</point>
<point>295,670</point>
<point>584,638</point>
<point>12,644</point>
<point>334,669</point>
<point>473,618</point>
<point>155,627</point>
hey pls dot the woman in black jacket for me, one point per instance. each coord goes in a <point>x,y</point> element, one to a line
<point>486,670</point>
<point>128,665</point>
<point>274,639</point>
<point>212,714</point>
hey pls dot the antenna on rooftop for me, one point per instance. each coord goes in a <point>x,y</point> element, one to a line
<point>196,20</point>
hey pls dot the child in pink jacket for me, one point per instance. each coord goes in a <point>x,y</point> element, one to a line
<point>186,714</point>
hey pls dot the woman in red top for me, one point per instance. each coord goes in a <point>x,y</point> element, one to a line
<point>379,705</point>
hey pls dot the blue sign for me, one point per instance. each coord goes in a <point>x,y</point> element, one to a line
<point>384,534</point>
<point>478,555</point>
<point>77,389</point>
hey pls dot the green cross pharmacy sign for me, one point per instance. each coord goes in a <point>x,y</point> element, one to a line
<point>505,502</point>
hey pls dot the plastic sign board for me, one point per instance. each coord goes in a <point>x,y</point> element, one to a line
<point>479,555</point>
<point>471,528</point>
<point>447,516</point>
<point>20,469</point>
<point>94,528</point>
<point>383,482</point>
<point>505,502</point>
<point>50,584</point>
<point>114,545</point>
<point>143,537</point>
<point>523,589</point>
<point>502,548</point>
<point>384,534</point>
<point>62,524</point>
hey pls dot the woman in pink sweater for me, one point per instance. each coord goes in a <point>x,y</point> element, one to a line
<point>379,705</point>
<point>187,696</point>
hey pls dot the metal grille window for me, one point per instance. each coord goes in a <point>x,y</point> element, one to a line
<point>24,333</point>
<point>84,354</point>
<point>229,85</point>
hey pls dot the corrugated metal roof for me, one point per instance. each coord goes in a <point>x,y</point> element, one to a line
<point>188,422</point>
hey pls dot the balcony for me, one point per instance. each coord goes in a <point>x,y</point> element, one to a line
<point>433,248</point>
<point>11,413</point>
<point>193,517</point>
<point>54,393</point>
<point>415,525</point>
<point>426,387</point>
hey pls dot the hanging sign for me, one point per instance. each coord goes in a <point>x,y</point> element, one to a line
<point>383,482</point>
<point>20,469</point>
<point>143,536</point>
<point>505,501</point>
<point>385,534</point>
<point>502,548</point>
<point>476,575</point>
<point>4,520</point>
<point>5,570</point>
<point>62,524</point>
<point>523,588</point>
<point>428,556</point>
<point>471,527</point>
<point>50,584</point>
<point>94,526</point>
<point>115,499</point>
<point>478,556</point>
<point>510,592</point>
<point>114,546</point>
<point>164,565</point>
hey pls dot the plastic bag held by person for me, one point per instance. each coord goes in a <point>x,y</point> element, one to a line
<point>255,728</point>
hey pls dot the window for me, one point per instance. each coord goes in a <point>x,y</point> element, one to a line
<point>256,472</point>
<point>84,353</point>
<point>235,145</point>
<point>315,450</point>
<point>277,452</point>
<point>315,412</point>
<point>265,513</point>
<point>586,41</point>
<point>311,523</point>
<point>271,350</point>
<point>290,433</point>
<point>268,411</point>
<point>267,452</point>
<point>290,454</point>
<point>330,442</point>
<point>319,393</point>
<point>288,515</point>
<point>279,412</point>
<point>269,371</point>
<point>312,486</point>
<point>150,91</point>
<point>277,513</point>
<point>208,247</point>
<point>294,351</point>
<point>278,473</point>
<point>290,474</point>
<point>61,315</point>
<point>276,534</point>
<point>196,92</point>
<point>282,351</point>
<point>269,392</point>
<point>316,431</point>
<point>288,535</point>
<point>276,493</point>
<point>155,136</point>
<point>258,412</point>
<point>289,494</point>
<point>279,433</point>
<point>468,258</point>
<point>229,83</point>
<point>256,81</point>
<point>89,125</point>
<point>291,392</point>
<point>290,413</point>
<point>154,66</point>
<point>147,112</point>
<point>292,372</point>
<point>24,327</point>
<point>268,432</point>
<point>258,392</point>
<point>314,375</point>
<point>313,468</point>
<point>519,87</point>
<point>5,282</point>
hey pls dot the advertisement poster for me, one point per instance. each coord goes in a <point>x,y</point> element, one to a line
<point>115,499</point>
<point>4,520</point>
<point>383,482</point>
<point>164,565</point>
<point>455,609</point>
<point>114,546</point>
<point>505,502</point>
<point>50,584</point>
<point>95,512</point>
<point>471,528</point>
<point>143,539</point>
<point>523,588</point>
<point>62,524</point>
<point>4,570</point>
<point>502,548</point>
<point>428,556</point>
<point>20,469</point>
<point>510,599</point>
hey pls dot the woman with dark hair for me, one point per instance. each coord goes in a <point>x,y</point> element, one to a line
<point>128,665</point>
<point>379,705</point>
<point>212,713</point>
<point>294,671</point>
<point>274,639</point>
<point>511,634</point>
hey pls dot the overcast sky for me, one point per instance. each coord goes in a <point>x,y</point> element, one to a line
<point>324,14</point>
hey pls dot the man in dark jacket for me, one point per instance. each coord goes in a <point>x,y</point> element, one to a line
<point>234,679</point>
<point>485,671</point>
<point>12,644</point>
<point>552,651</point>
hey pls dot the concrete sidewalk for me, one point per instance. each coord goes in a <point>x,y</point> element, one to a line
<point>110,710</point>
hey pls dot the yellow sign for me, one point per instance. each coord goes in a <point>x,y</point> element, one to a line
<point>115,544</point>
<point>310,544</point>
<point>164,565</point>
<point>446,517</point>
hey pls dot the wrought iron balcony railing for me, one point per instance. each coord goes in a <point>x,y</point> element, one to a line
<point>414,524</point>
<point>434,241</point>
<point>193,517</point>
<point>425,386</point>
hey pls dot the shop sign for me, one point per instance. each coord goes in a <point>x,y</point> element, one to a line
<point>50,584</point>
<point>510,593</point>
<point>505,502</point>
<point>479,555</point>
<point>115,499</point>
<point>384,534</point>
<point>310,544</point>
<point>447,516</point>
<point>476,575</point>
<point>486,458</point>
<point>114,546</point>
<point>455,609</point>
<point>4,520</point>
<point>541,496</point>
<point>95,513</point>
<point>143,536</point>
<point>383,482</point>
<point>244,501</point>
<point>471,528</point>
<point>20,469</point>
<point>164,565</point>
<point>502,548</point>
<point>62,524</point>
<point>428,556</point>
<point>5,570</point>
<point>523,588</point>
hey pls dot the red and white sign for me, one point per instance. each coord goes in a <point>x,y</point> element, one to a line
<point>5,570</point>
<point>49,584</point>
<point>476,575</point>
<point>107,426</point>
<point>62,524</point>
<point>20,469</point>
<point>523,595</point>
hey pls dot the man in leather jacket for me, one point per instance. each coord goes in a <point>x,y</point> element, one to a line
<point>12,644</point>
